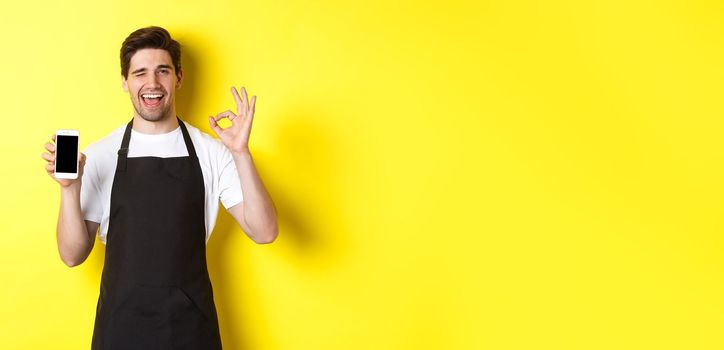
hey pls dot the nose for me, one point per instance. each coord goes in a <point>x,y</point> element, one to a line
<point>153,80</point>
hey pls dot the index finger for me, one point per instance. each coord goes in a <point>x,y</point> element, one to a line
<point>239,103</point>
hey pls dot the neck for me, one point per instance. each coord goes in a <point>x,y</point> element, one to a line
<point>165,125</point>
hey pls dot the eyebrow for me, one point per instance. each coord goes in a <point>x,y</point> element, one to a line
<point>139,70</point>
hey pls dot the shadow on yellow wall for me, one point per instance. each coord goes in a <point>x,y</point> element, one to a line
<point>309,152</point>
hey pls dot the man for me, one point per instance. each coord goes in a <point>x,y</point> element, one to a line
<point>153,188</point>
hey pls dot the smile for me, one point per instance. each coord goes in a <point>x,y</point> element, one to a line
<point>151,99</point>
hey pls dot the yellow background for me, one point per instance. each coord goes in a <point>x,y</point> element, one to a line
<point>449,175</point>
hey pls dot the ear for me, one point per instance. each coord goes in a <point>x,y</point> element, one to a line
<point>180,78</point>
<point>124,83</point>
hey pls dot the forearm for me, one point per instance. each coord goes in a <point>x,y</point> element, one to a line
<point>74,243</point>
<point>259,211</point>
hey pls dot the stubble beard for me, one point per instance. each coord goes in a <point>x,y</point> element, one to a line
<point>151,116</point>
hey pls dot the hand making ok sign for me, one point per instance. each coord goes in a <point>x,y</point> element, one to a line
<point>236,136</point>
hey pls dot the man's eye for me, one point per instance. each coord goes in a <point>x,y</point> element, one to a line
<point>163,71</point>
<point>139,74</point>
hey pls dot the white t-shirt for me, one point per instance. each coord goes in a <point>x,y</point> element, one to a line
<point>221,180</point>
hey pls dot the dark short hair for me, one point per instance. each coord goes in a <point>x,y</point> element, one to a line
<point>149,38</point>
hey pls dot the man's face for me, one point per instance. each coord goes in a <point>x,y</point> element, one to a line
<point>152,83</point>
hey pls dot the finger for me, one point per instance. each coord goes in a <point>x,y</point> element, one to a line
<point>229,114</point>
<point>250,116</point>
<point>253,103</point>
<point>50,168</point>
<point>244,98</point>
<point>50,147</point>
<point>52,137</point>
<point>225,114</point>
<point>239,103</point>
<point>214,126</point>
<point>50,158</point>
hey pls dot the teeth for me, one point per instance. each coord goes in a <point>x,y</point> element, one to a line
<point>151,96</point>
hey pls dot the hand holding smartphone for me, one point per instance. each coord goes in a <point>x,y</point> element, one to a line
<point>64,162</point>
<point>66,154</point>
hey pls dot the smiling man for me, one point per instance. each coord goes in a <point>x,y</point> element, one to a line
<point>151,192</point>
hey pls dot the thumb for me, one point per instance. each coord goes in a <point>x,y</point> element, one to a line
<point>81,164</point>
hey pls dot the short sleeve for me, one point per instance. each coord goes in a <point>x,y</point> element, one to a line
<point>90,192</point>
<point>230,192</point>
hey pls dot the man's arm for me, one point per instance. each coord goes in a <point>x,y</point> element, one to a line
<point>256,214</point>
<point>75,236</point>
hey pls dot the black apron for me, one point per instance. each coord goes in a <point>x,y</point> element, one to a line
<point>155,289</point>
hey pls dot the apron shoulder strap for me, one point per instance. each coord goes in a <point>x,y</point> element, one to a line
<point>123,151</point>
<point>187,139</point>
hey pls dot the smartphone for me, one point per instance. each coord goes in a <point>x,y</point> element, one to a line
<point>66,154</point>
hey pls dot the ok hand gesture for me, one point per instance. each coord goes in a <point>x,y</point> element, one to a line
<point>236,136</point>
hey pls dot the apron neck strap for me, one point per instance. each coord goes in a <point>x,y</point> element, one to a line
<point>187,139</point>
<point>123,151</point>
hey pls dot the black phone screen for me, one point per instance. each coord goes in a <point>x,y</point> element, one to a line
<point>66,154</point>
